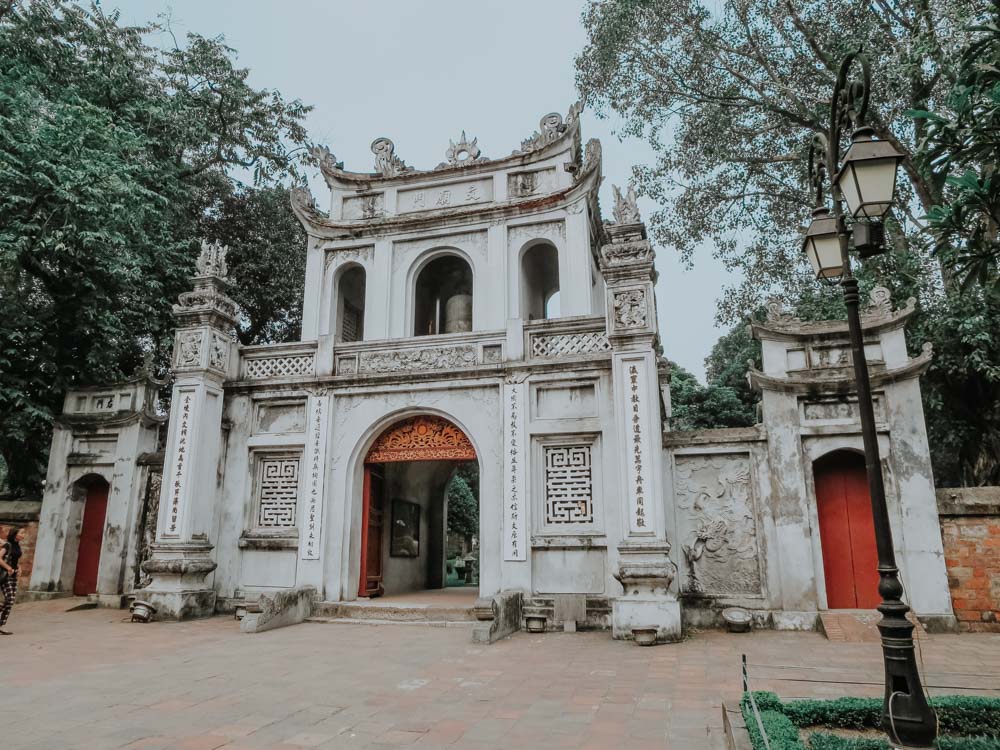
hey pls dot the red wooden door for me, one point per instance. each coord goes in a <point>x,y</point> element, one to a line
<point>91,537</point>
<point>371,533</point>
<point>847,532</point>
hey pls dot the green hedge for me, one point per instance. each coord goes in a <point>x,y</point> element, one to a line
<point>824,741</point>
<point>972,722</point>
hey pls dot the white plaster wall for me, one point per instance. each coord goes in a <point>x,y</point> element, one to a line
<point>552,567</point>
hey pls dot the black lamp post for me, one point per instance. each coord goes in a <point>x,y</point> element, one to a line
<point>865,180</point>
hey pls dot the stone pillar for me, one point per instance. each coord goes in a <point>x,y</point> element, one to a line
<point>645,571</point>
<point>181,561</point>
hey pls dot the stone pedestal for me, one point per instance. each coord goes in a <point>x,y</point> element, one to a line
<point>646,573</point>
<point>179,590</point>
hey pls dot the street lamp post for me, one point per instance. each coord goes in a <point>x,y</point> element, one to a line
<point>865,181</point>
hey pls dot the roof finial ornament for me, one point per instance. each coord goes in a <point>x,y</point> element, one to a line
<point>212,259</point>
<point>387,163</point>
<point>626,211</point>
<point>463,152</point>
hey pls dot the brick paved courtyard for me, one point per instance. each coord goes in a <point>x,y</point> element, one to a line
<point>89,679</point>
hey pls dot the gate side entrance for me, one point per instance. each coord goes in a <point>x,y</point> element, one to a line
<point>91,538</point>
<point>404,509</point>
<point>847,532</point>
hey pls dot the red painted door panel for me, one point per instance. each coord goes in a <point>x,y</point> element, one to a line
<point>371,533</point>
<point>91,538</point>
<point>847,532</point>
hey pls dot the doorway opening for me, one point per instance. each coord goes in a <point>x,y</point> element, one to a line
<point>847,531</point>
<point>88,557</point>
<point>420,511</point>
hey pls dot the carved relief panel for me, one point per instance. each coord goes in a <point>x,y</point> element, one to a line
<point>716,525</point>
<point>370,206</point>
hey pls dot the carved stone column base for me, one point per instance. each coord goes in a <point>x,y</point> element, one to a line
<point>646,572</point>
<point>178,588</point>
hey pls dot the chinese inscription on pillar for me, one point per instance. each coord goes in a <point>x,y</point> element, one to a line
<point>310,534</point>
<point>641,521</point>
<point>515,506</point>
<point>179,471</point>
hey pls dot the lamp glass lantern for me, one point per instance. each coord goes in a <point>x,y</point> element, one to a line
<point>825,245</point>
<point>867,179</point>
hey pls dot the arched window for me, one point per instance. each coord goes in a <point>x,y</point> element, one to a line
<point>350,320</point>
<point>540,282</point>
<point>443,297</point>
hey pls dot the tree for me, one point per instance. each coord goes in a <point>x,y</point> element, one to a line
<point>463,508</point>
<point>110,153</point>
<point>728,101</point>
<point>727,364</point>
<point>960,151</point>
<point>698,407</point>
<point>267,260</point>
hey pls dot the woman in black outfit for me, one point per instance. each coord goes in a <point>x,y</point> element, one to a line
<point>10,559</point>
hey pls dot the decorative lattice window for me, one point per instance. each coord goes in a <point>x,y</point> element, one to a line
<point>277,491</point>
<point>569,484</point>
<point>353,320</point>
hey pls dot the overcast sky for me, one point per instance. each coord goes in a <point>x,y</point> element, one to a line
<point>421,71</point>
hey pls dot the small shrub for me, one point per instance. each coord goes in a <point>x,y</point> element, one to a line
<point>781,733</point>
<point>968,743</point>
<point>968,715</point>
<point>824,741</point>
<point>971,723</point>
<point>843,713</point>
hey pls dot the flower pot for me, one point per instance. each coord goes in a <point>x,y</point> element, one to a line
<point>644,636</point>
<point>142,611</point>
<point>737,619</point>
<point>535,623</point>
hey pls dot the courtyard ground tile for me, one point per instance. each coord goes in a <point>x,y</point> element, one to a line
<point>90,680</point>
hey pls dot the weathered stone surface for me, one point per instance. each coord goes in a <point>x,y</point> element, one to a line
<point>279,610</point>
<point>498,616</point>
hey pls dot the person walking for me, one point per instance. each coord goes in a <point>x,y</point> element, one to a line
<point>10,566</point>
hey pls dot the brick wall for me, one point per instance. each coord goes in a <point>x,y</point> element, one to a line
<point>21,513</point>
<point>970,527</point>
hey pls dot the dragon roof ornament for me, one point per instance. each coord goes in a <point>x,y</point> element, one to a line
<point>550,128</point>
<point>387,163</point>
<point>625,211</point>
<point>321,156</point>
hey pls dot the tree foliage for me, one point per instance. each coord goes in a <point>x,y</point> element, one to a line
<point>463,508</point>
<point>729,99</point>
<point>267,259</point>
<point>111,152</point>
<point>961,150</point>
<point>697,407</point>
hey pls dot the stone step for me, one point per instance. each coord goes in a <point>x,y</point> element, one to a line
<point>373,621</point>
<point>859,626</point>
<point>398,612</point>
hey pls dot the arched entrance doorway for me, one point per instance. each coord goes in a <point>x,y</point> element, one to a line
<point>408,474</point>
<point>88,556</point>
<point>847,531</point>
